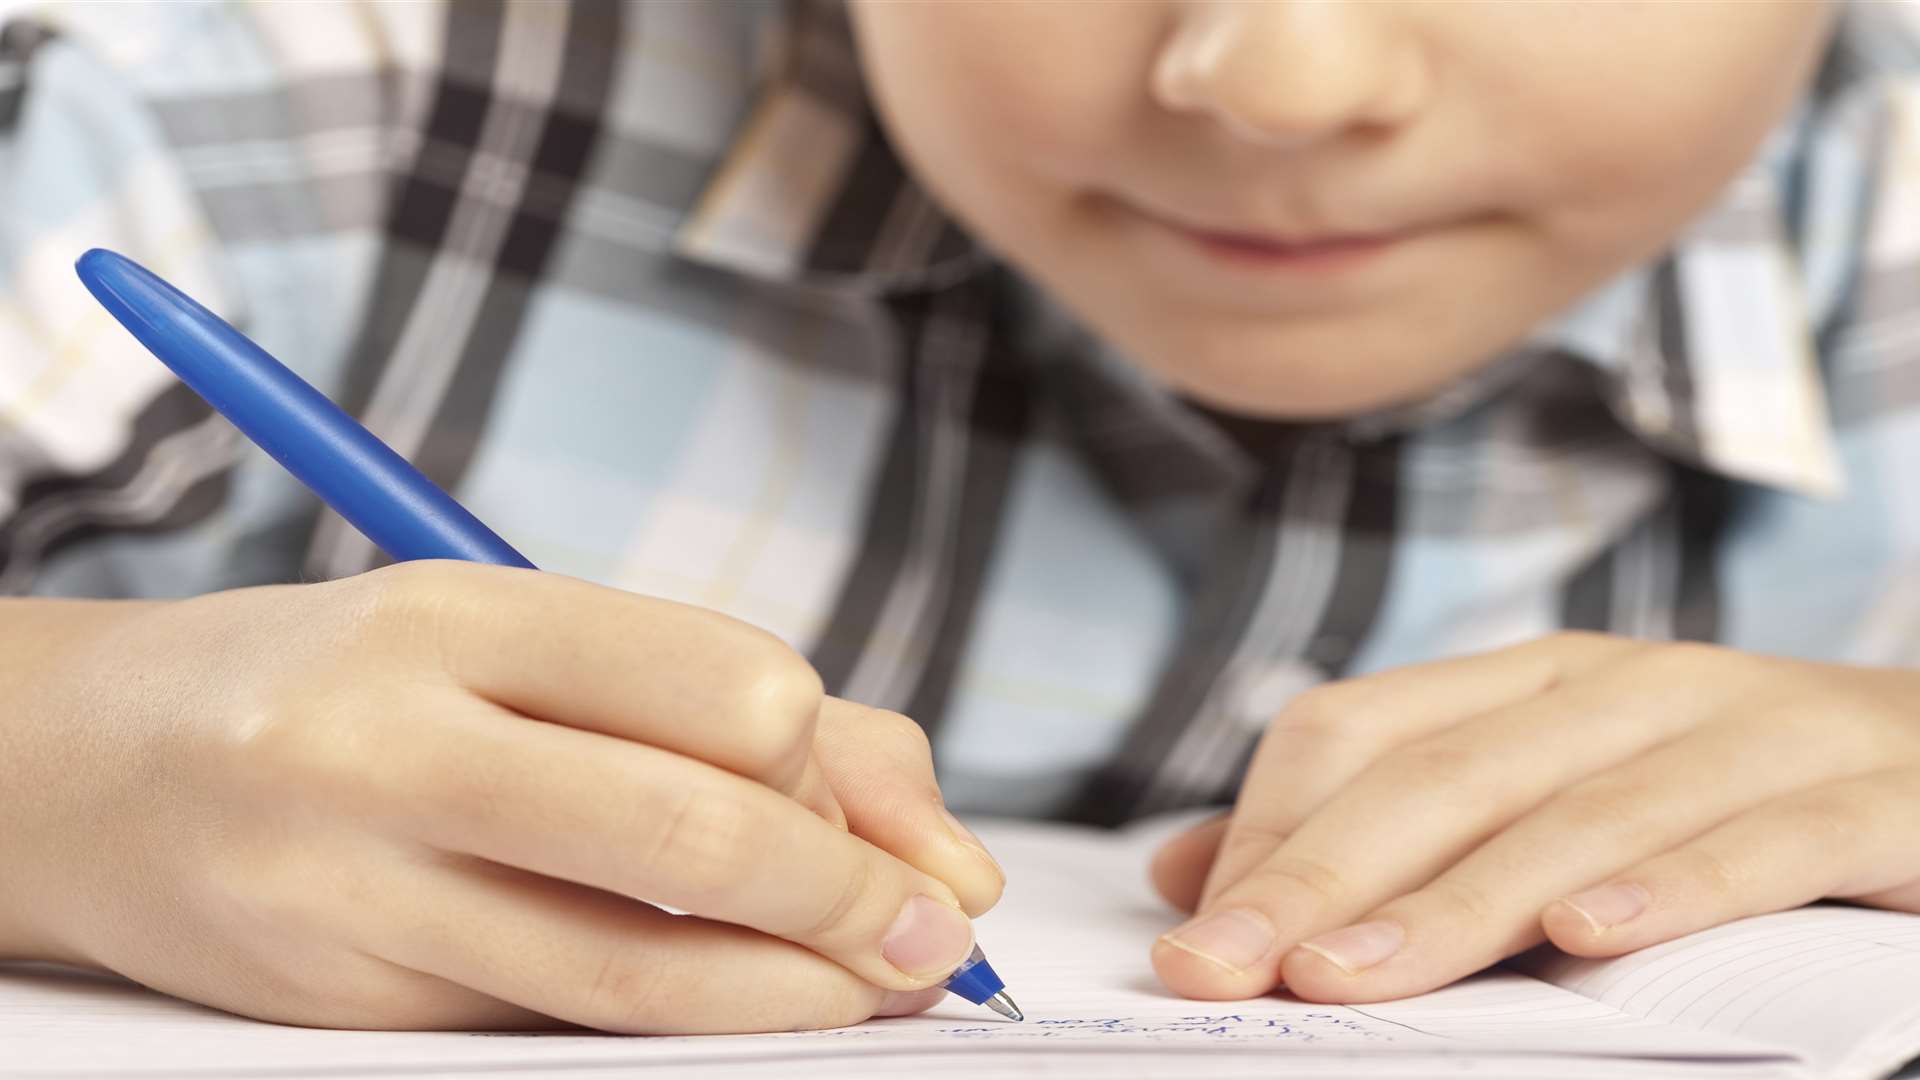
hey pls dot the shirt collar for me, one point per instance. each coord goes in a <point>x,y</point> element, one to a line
<point>1710,356</point>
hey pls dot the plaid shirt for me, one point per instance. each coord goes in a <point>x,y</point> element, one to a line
<point>647,289</point>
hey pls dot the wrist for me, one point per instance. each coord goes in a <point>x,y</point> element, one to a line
<point>41,722</point>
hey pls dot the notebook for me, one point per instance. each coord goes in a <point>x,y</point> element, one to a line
<point>1827,991</point>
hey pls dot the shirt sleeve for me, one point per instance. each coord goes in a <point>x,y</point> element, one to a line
<point>95,435</point>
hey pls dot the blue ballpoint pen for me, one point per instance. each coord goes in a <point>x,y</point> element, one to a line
<point>362,478</point>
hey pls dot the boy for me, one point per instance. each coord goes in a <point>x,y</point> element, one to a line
<point>1269,345</point>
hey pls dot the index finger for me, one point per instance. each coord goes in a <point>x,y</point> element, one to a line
<point>558,649</point>
<point>1327,736</point>
<point>1409,816</point>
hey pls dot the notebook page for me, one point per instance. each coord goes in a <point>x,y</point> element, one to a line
<point>1839,985</point>
<point>1071,938</point>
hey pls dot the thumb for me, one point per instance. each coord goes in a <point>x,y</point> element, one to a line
<point>879,768</point>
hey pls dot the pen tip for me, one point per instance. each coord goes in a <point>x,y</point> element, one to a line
<point>1004,1005</point>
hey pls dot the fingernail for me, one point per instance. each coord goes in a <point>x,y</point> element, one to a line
<point>908,1002</point>
<point>966,838</point>
<point>1609,905</point>
<point>1236,938</point>
<point>1354,949</point>
<point>927,938</point>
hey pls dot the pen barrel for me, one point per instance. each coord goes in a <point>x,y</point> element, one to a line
<point>370,485</point>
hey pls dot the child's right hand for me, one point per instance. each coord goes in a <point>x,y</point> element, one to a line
<point>425,798</point>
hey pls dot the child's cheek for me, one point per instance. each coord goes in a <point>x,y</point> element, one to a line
<point>1018,98</point>
<point>1672,101</point>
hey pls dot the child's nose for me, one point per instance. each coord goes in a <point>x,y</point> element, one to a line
<point>1291,72</point>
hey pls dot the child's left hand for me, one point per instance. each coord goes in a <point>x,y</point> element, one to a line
<point>1399,831</point>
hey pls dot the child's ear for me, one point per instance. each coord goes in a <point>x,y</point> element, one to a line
<point>1179,868</point>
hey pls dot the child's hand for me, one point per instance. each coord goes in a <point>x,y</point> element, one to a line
<point>422,798</point>
<point>1400,831</point>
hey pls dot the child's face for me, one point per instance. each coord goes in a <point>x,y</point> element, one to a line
<point>1313,207</point>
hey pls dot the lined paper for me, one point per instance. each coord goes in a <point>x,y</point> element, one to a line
<point>1838,985</point>
<point>1071,938</point>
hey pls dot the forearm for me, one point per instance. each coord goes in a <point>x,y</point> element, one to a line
<point>42,738</point>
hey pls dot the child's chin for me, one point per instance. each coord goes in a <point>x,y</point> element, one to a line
<point>1318,387</point>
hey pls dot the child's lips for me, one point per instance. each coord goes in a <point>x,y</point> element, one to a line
<point>1253,248</point>
<point>1316,252</point>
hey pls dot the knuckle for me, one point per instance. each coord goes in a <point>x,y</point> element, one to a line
<point>1603,807</point>
<point>1574,640</point>
<point>1329,710</point>
<point>771,704</point>
<point>1248,833</point>
<point>707,846</point>
<point>1449,781</point>
<point>1470,904</point>
<point>1438,761</point>
<point>1448,772</point>
<point>1297,874</point>
<point>406,588</point>
<point>1712,872</point>
<point>415,608</point>
<point>624,994</point>
<point>868,725</point>
<point>1566,652</point>
<point>832,924</point>
<point>1689,659</point>
<point>1827,823</point>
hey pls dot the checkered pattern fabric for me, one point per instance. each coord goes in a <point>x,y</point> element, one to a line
<point>646,287</point>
